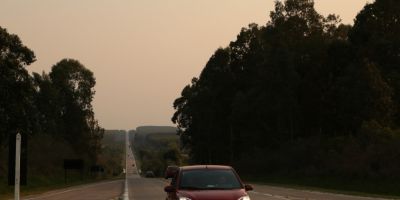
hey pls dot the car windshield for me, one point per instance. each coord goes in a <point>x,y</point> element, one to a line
<point>209,179</point>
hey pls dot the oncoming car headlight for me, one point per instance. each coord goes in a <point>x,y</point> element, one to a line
<point>244,198</point>
<point>184,198</point>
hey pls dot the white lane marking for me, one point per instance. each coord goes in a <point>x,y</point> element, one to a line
<point>271,195</point>
<point>346,195</point>
<point>125,196</point>
<point>318,193</point>
<point>259,193</point>
<point>70,190</point>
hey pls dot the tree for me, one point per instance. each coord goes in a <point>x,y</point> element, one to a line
<point>298,93</point>
<point>96,133</point>
<point>74,85</point>
<point>16,89</point>
<point>17,109</point>
<point>58,104</point>
<point>48,104</point>
<point>75,82</point>
<point>272,84</point>
<point>367,98</point>
<point>375,35</point>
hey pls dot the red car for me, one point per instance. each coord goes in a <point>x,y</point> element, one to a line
<point>205,182</point>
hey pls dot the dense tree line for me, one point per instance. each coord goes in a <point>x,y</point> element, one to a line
<point>157,150</point>
<point>63,99</point>
<point>57,104</point>
<point>303,94</point>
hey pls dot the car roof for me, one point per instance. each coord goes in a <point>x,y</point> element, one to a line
<point>195,167</point>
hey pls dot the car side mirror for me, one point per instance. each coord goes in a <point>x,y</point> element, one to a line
<point>248,187</point>
<point>169,189</point>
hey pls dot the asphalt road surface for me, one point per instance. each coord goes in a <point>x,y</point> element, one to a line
<point>153,189</point>
<point>104,190</point>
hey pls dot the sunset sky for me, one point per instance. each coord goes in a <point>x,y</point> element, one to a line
<point>142,52</point>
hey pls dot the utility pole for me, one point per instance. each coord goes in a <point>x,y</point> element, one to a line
<point>17,165</point>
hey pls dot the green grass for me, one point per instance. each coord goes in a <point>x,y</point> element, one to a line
<point>359,187</point>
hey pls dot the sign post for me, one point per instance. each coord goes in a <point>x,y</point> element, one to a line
<point>17,165</point>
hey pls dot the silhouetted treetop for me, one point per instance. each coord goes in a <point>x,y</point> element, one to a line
<point>303,94</point>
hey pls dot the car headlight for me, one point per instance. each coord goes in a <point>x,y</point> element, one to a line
<point>184,198</point>
<point>244,198</point>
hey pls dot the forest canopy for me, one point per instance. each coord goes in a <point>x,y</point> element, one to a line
<point>304,94</point>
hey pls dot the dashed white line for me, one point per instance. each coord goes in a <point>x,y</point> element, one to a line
<point>125,196</point>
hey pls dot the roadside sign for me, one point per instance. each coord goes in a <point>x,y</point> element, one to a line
<point>73,164</point>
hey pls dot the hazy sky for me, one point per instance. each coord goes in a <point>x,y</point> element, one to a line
<point>142,52</point>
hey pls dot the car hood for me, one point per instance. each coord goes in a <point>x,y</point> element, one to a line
<point>213,194</point>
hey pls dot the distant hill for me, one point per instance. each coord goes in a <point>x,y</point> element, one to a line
<point>114,131</point>
<point>155,137</point>
<point>154,145</point>
<point>156,129</point>
<point>114,135</point>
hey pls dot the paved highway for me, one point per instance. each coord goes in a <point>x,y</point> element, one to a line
<point>153,189</point>
<point>104,190</point>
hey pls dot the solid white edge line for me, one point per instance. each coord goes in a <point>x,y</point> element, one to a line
<point>125,196</point>
<point>316,192</point>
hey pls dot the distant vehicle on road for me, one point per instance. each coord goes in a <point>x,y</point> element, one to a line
<point>171,171</point>
<point>199,182</point>
<point>149,174</point>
